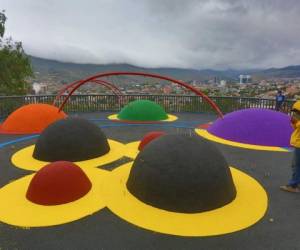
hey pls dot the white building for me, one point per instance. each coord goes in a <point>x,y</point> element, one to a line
<point>223,83</point>
<point>39,88</point>
<point>245,79</point>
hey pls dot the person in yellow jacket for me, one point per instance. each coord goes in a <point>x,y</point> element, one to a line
<point>293,185</point>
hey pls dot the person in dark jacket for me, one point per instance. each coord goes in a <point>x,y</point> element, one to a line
<point>279,100</point>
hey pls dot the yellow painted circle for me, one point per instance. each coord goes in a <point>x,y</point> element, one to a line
<point>16,210</point>
<point>204,133</point>
<point>23,158</point>
<point>132,149</point>
<point>170,118</point>
<point>248,207</point>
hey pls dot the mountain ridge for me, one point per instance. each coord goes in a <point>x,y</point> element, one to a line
<point>66,71</point>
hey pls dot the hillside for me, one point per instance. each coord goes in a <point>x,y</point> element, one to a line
<point>68,72</point>
<point>286,72</point>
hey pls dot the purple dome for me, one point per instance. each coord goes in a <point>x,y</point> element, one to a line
<point>254,126</point>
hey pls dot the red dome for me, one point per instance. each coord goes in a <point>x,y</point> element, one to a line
<point>205,125</point>
<point>31,119</point>
<point>150,137</point>
<point>58,183</point>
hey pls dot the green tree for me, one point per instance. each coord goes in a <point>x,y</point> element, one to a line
<point>15,67</point>
<point>2,23</point>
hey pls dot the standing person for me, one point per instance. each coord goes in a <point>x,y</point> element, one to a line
<point>279,100</point>
<point>293,185</point>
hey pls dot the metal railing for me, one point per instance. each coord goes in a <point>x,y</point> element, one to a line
<point>171,103</point>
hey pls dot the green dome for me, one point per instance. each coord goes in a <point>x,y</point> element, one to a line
<point>142,110</point>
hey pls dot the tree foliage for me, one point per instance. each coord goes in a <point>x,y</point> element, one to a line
<point>2,23</point>
<point>15,67</point>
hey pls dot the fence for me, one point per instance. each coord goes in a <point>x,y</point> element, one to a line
<point>171,103</point>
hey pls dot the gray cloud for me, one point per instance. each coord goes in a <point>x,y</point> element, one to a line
<point>156,33</point>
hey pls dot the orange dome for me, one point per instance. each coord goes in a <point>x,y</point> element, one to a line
<point>31,119</point>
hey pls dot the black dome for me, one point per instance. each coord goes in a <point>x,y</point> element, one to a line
<point>182,174</point>
<point>71,139</point>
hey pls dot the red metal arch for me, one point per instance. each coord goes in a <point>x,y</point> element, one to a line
<point>112,87</point>
<point>196,91</point>
<point>106,84</point>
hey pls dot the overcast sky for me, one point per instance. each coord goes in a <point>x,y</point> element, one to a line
<point>159,33</point>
